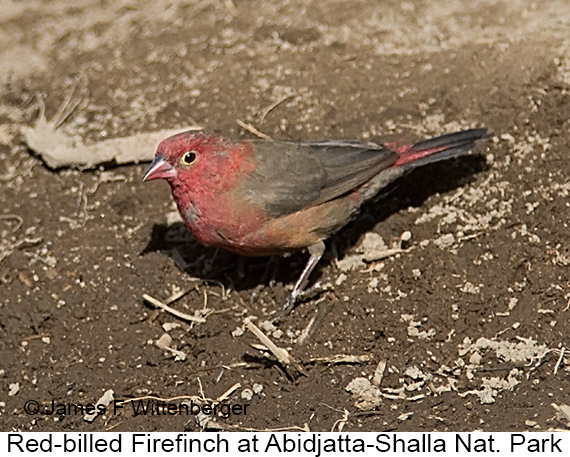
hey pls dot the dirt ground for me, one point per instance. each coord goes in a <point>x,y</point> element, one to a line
<point>471,319</point>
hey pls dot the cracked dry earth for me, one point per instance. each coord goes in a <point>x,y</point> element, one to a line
<point>446,304</point>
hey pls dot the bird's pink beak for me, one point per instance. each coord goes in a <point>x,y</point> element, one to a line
<point>159,169</point>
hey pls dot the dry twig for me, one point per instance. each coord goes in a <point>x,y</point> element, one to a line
<point>379,373</point>
<point>341,358</point>
<point>557,366</point>
<point>290,365</point>
<point>340,423</point>
<point>187,317</point>
<point>271,107</point>
<point>251,129</point>
<point>229,392</point>
<point>306,331</point>
<point>19,220</point>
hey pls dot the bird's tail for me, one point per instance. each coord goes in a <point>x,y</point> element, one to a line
<point>439,148</point>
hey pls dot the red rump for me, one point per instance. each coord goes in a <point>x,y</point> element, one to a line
<point>407,156</point>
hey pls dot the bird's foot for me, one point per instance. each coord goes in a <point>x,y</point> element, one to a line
<point>292,298</point>
<point>311,292</point>
<point>297,296</point>
<point>316,250</point>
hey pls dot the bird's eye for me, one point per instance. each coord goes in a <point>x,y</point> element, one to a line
<point>188,158</point>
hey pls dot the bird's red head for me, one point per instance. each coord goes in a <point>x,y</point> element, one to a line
<point>199,162</point>
<point>180,155</point>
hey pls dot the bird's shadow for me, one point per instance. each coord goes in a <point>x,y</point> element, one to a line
<point>243,273</point>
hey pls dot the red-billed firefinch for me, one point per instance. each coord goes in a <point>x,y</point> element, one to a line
<point>262,197</point>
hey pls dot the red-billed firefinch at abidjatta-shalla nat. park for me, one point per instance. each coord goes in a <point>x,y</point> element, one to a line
<point>263,197</point>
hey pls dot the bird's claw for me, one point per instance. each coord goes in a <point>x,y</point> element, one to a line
<point>290,302</point>
<point>297,295</point>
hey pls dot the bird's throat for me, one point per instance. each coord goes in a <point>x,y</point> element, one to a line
<point>190,214</point>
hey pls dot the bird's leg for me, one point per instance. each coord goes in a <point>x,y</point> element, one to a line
<point>316,251</point>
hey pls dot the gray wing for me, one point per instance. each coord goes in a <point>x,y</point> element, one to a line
<point>292,176</point>
<point>349,164</point>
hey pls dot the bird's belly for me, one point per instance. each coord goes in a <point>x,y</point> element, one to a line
<point>253,234</point>
<point>300,229</point>
<point>233,240</point>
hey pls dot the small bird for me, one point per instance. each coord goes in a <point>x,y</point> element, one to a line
<point>265,197</point>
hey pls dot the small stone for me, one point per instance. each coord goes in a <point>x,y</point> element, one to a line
<point>167,326</point>
<point>341,278</point>
<point>14,388</point>
<point>350,263</point>
<point>247,394</point>
<point>475,358</point>
<point>445,241</point>
<point>508,138</point>
<point>405,239</point>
